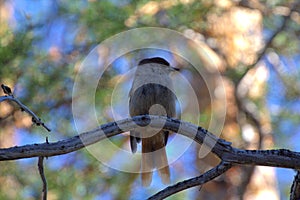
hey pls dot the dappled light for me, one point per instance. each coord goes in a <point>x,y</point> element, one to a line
<point>70,66</point>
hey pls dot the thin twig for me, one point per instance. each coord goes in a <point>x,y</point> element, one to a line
<point>43,177</point>
<point>295,189</point>
<point>35,118</point>
<point>197,181</point>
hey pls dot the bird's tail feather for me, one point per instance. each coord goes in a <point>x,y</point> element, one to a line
<point>147,168</point>
<point>161,163</point>
<point>152,158</point>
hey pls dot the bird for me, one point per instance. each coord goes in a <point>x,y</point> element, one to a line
<point>152,93</point>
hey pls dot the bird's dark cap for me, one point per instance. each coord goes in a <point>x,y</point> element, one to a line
<point>157,60</point>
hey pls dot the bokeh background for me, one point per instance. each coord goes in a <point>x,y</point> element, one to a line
<point>253,44</point>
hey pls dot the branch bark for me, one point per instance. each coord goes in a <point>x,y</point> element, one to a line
<point>35,118</point>
<point>200,180</point>
<point>223,149</point>
<point>295,189</point>
<point>43,177</point>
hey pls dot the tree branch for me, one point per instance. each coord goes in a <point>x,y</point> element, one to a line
<point>42,174</point>
<point>223,149</point>
<point>200,180</point>
<point>295,189</point>
<point>35,118</point>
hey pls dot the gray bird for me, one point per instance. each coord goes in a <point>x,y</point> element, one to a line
<point>151,93</point>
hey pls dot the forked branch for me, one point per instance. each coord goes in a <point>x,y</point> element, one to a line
<point>223,149</point>
<point>229,155</point>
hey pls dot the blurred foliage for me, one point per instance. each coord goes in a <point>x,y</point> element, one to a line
<point>40,54</point>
